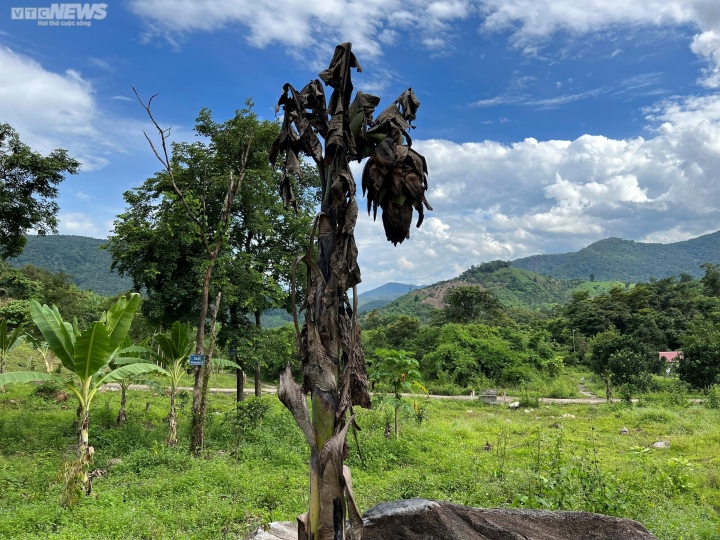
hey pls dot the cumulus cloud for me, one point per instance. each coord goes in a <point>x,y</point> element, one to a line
<point>504,201</point>
<point>532,21</point>
<point>297,23</point>
<point>370,24</point>
<point>59,110</point>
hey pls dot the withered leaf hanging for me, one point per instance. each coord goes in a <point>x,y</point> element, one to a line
<point>395,176</point>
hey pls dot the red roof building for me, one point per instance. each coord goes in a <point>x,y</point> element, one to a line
<point>671,356</point>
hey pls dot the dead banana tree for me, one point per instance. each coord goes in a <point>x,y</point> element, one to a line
<point>333,364</point>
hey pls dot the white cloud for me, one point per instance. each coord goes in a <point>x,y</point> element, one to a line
<point>81,225</point>
<point>533,21</point>
<point>84,196</point>
<point>59,110</point>
<point>495,200</point>
<point>298,23</point>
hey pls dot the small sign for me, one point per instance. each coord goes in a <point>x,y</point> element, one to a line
<point>197,359</point>
<point>232,351</point>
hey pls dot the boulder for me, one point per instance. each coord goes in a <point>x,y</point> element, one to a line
<point>514,405</point>
<point>420,519</point>
<point>661,444</point>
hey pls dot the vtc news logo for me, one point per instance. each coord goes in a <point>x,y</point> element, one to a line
<point>61,14</point>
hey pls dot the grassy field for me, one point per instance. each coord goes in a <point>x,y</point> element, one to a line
<point>570,457</point>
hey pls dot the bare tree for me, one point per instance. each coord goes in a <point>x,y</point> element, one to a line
<point>212,236</point>
<point>333,364</point>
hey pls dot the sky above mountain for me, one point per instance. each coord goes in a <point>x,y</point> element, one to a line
<point>547,124</point>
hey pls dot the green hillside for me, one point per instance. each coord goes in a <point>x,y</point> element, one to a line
<point>383,295</point>
<point>78,256</point>
<point>628,261</point>
<point>514,287</point>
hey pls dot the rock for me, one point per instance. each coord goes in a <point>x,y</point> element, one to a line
<point>61,396</point>
<point>420,519</point>
<point>277,530</point>
<point>527,410</point>
<point>11,402</point>
<point>514,405</point>
<point>557,425</point>
<point>660,444</point>
<point>624,431</point>
<point>568,416</point>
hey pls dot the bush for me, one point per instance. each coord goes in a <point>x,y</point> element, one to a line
<point>713,398</point>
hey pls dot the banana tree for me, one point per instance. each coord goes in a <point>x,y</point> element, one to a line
<point>7,342</point>
<point>175,349</point>
<point>86,355</point>
<point>43,349</point>
<point>123,356</point>
<point>395,179</point>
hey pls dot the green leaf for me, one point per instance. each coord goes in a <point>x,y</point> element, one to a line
<point>119,319</point>
<point>124,360</point>
<point>91,350</point>
<point>54,331</point>
<point>15,377</point>
<point>129,370</point>
<point>221,362</point>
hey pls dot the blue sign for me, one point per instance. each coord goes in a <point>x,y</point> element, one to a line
<point>197,359</point>
<point>232,351</point>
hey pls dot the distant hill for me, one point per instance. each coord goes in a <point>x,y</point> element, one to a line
<point>628,261</point>
<point>514,287</point>
<point>78,256</point>
<point>382,296</point>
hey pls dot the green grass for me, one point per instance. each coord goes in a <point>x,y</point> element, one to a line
<point>161,493</point>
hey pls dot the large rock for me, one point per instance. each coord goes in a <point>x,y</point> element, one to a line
<point>420,519</point>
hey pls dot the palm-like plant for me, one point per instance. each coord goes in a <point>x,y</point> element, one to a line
<point>175,349</point>
<point>7,342</point>
<point>42,347</point>
<point>86,355</point>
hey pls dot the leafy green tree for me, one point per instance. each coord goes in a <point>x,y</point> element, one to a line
<point>210,223</point>
<point>630,361</point>
<point>711,279</point>
<point>700,364</point>
<point>397,369</point>
<point>86,355</point>
<point>471,304</point>
<point>28,189</point>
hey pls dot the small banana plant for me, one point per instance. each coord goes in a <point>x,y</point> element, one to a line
<point>87,355</point>
<point>7,342</point>
<point>43,349</point>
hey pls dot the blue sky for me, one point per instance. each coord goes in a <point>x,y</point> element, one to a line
<point>547,125</point>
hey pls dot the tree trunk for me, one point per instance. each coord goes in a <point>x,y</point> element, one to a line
<point>258,390</point>
<point>397,423</point>
<point>200,413</point>
<point>172,421</point>
<point>197,430</point>
<point>84,451</point>
<point>240,385</point>
<point>122,414</point>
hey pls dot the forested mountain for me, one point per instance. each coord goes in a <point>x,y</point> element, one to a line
<point>628,261</point>
<point>383,295</point>
<point>513,287</point>
<point>77,256</point>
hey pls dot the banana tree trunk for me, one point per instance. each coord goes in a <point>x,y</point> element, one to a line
<point>84,451</point>
<point>172,421</point>
<point>122,414</point>
<point>397,423</point>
